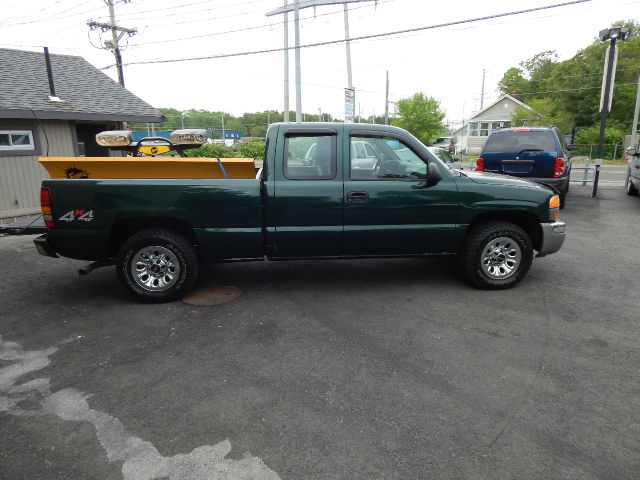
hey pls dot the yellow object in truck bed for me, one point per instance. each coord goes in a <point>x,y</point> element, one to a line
<point>147,167</point>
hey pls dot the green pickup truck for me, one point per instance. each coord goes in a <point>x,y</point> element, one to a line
<point>309,200</point>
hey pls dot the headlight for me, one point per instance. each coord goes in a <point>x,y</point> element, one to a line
<point>189,137</point>
<point>114,138</point>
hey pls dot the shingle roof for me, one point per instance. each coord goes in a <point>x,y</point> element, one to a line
<point>87,93</point>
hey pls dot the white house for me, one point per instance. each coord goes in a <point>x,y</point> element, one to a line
<point>474,132</point>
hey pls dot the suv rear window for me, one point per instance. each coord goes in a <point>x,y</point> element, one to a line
<point>514,141</point>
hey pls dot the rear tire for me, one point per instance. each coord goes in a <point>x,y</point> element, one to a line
<point>631,188</point>
<point>157,265</point>
<point>496,255</point>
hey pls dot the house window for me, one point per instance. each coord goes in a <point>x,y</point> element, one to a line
<point>473,129</point>
<point>16,140</point>
<point>484,129</point>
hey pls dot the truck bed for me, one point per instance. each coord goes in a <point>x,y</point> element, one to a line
<point>88,213</point>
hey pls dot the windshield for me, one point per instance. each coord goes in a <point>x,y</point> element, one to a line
<point>443,155</point>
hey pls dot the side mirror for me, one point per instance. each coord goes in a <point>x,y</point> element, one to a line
<point>434,174</point>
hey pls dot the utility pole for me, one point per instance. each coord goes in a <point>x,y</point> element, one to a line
<point>286,62</point>
<point>116,35</point>
<point>484,71</point>
<point>296,7</point>
<point>386,102</point>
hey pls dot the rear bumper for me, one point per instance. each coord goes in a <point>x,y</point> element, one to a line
<point>44,247</point>
<point>553,235</point>
<point>560,184</point>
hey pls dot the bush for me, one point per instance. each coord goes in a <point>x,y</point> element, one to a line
<point>590,136</point>
<point>211,150</point>
<point>251,150</point>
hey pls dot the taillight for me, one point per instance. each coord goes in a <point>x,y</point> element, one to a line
<point>45,205</point>
<point>558,167</point>
<point>480,164</point>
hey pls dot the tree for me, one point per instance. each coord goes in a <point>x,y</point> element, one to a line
<point>567,93</point>
<point>544,112</point>
<point>421,115</point>
<point>513,81</point>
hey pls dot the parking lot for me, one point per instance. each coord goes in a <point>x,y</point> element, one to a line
<point>354,369</point>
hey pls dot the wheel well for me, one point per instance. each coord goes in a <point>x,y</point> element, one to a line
<point>124,229</point>
<point>528,222</point>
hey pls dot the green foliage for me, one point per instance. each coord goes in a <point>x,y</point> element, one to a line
<point>251,150</point>
<point>420,115</point>
<point>211,150</point>
<point>590,136</point>
<point>567,93</point>
<point>545,113</point>
<point>513,82</point>
<point>250,124</point>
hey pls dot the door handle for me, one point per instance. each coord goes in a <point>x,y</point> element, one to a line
<point>357,197</point>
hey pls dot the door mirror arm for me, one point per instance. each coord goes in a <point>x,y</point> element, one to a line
<point>434,174</point>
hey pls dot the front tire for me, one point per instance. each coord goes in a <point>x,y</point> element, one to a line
<point>496,255</point>
<point>631,188</point>
<point>157,265</point>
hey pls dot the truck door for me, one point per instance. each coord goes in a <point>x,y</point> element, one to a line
<point>307,204</point>
<point>391,209</point>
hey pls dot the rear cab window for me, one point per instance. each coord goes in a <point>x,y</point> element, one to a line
<point>310,157</point>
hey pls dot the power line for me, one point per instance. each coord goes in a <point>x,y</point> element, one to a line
<point>219,7</point>
<point>57,17</point>
<point>256,27</point>
<point>364,37</point>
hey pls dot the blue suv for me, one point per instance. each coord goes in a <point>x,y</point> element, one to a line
<point>539,154</point>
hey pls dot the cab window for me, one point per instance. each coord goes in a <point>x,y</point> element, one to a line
<point>310,157</point>
<point>386,159</point>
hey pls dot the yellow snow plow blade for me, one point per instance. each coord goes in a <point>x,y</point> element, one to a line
<point>148,167</point>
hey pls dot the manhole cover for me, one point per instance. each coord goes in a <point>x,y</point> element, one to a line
<point>212,296</point>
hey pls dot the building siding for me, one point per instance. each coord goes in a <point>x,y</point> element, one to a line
<point>501,111</point>
<point>21,175</point>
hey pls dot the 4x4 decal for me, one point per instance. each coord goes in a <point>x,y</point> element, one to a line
<point>77,215</point>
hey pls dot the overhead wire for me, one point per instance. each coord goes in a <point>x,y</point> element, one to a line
<point>255,27</point>
<point>362,37</point>
<point>180,7</point>
<point>56,17</point>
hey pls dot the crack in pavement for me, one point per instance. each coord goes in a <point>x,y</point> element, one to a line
<point>141,459</point>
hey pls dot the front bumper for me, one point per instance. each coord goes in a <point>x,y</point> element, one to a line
<point>44,247</point>
<point>552,237</point>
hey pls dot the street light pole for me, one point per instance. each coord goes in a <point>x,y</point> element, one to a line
<point>613,34</point>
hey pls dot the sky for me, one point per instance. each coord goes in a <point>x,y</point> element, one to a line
<point>446,62</point>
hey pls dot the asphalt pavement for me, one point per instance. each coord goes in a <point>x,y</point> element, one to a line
<point>354,369</point>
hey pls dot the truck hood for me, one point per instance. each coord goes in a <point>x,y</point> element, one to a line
<point>497,179</point>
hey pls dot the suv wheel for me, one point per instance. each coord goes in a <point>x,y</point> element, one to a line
<point>157,265</point>
<point>496,255</point>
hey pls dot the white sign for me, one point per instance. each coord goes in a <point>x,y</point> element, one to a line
<point>349,104</point>
<point>604,79</point>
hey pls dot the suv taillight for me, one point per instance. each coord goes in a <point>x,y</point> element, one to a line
<point>480,164</point>
<point>45,205</point>
<point>558,167</point>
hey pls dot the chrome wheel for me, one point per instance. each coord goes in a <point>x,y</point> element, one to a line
<point>155,268</point>
<point>501,258</point>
